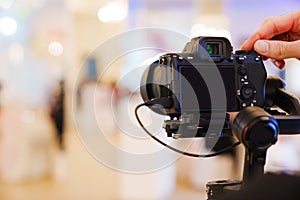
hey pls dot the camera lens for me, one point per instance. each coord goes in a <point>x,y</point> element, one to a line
<point>247,92</point>
<point>212,49</point>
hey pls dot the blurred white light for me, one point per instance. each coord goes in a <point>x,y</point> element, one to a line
<point>16,53</point>
<point>202,30</point>
<point>113,12</point>
<point>56,49</point>
<point>8,25</point>
<point>6,4</point>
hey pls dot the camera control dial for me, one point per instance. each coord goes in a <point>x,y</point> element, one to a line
<point>247,92</point>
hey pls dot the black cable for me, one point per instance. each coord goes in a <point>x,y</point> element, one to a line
<point>157,101</point>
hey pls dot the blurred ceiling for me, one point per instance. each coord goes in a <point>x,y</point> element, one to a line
<point>89,7</point>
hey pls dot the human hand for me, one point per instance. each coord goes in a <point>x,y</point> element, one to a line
<point>277,38</point>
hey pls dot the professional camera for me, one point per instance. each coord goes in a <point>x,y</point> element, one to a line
<point>183,76</point>
<point>200,86</point>
<point>202,83</point>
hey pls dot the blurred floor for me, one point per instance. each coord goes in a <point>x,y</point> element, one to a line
<point>85,179</point>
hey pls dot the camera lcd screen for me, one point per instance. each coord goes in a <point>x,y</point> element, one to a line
<point>194,91</point>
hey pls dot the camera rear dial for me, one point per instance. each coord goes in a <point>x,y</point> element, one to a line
<point>247,92</point>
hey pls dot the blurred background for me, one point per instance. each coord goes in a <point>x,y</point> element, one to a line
<point>54,77</point>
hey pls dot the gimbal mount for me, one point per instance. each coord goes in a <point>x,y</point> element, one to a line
<point>256,128</point>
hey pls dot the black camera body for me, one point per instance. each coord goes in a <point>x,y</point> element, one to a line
<point>181,77</point>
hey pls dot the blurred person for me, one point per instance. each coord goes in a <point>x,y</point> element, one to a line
<point>57,113</point>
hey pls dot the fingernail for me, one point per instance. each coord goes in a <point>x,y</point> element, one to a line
<point>261,46</point>
<point>277,64</point>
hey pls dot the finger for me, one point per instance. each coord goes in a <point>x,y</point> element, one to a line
<point>282,37</point>
<point>264,58</point>
<point>278,63</point>
<point>278,50</point>
<point>271,27</point>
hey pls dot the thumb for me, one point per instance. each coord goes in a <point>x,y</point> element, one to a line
<point>278,50</point>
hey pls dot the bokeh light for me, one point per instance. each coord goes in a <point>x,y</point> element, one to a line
<point>112,12</point>
<point>8,25</point>
<point>56,49</point>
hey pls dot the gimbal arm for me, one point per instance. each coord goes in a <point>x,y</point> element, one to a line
<point>277,96</point>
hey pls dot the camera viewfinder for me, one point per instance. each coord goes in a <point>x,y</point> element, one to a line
<point>212,48</point>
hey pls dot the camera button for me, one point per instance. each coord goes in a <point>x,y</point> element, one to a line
<point>242,70</point>
<point>244,105</point>
<point>257,58</point>
<point>231,59</point>
<point>244,79</point>
<point>240,59</point>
